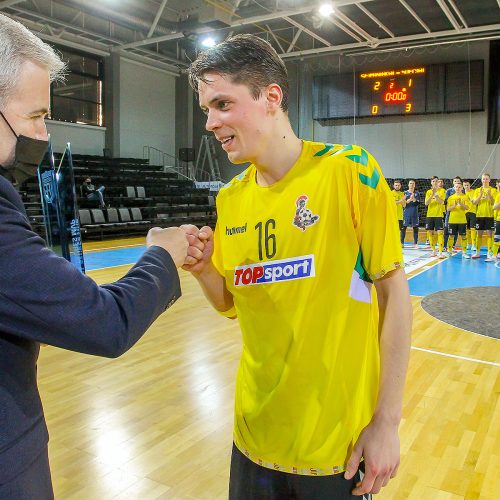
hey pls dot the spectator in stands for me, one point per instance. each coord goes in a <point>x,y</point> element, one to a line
<point>44,298</point>
<point>91,193</point>
<point>309,394</point>
<point>410,216</point>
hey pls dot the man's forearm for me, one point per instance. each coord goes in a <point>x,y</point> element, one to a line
<point>395,340</point>
<point>214,288</point>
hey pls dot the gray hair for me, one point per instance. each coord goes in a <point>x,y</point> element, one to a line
<point>18,45</point>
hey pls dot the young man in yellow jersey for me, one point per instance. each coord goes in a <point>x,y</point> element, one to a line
<point>449,192</point>
<point>484,198</point>
<point>457,207</point>
<point>400,200</point>
<point>434,201</point>
<point>302,236</point>
<point>471,218</point>
<point>496,208</point>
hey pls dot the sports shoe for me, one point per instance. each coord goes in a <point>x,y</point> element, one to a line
<point>416,246</point>
<point>465,256</point>
<point>490,258</point>
<point>433,254</point>
<point>476,256</point>
<point>441,255</point>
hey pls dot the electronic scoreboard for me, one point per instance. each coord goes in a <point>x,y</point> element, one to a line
<point>436,88</point>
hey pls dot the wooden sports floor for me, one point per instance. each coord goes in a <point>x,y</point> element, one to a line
<point>157,422</point>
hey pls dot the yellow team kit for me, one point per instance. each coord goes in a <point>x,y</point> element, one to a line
<point>299,258</point>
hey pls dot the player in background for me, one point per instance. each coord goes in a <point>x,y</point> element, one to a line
<point>496,209</point>
<point>399,199</point>
<point>484,198</point>
<point>434,201</point>
<point>410,213</point>
<point>457,207</point>
<point>471,218</point>
<point>450,191</point>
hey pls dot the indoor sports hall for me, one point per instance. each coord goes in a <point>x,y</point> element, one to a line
<point>416,83</point>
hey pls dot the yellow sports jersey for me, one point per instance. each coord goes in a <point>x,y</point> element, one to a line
<point>471,195</point>
<point>457,214</point>
<point>434,208</point>
<point>485,205</point>
<point>299,258</point>
<point>497,212</point>
<point>398,196</point>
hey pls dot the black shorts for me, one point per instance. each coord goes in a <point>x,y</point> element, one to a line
<point>497,230</point>
<point>400,224</point>
<point>460,229</point>
<point>249,481</point>
<point>485,223</point>
<point>471,220</point>
<point>434,224</point>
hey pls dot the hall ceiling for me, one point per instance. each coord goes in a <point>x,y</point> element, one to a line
<point>168,33</point>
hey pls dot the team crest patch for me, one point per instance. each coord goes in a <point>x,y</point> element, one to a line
<point>303,216</point>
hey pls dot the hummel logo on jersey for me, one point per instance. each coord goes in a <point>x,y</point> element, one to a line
<point>303,216</point>
<point>236,230</point>
<point>275,271</point>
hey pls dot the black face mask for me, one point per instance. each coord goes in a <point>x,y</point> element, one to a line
<point>29,154</point>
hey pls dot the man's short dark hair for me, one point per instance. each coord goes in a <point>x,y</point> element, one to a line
<point>457,177</point>
<point>246,59</point>
<point>434,177</point>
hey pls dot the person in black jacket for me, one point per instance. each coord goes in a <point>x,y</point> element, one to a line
<point>92,193</point>
<point>44,298</point>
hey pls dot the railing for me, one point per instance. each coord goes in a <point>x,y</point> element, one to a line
<point>156,156</point>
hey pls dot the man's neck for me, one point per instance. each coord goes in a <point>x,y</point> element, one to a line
<point>278,160</point>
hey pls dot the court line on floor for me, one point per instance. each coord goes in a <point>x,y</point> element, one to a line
<point>109,267</point>
<point>439,353</point>
<point>114,248</point>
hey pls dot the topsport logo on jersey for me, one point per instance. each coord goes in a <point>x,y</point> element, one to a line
<point>275,271</point>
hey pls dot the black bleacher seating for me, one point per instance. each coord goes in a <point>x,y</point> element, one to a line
<point>156,197</point>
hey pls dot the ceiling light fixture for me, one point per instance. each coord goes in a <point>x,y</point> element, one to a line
<point>326,9</point>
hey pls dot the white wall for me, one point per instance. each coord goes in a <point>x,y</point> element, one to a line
<point>421,146</point>
<point>147,109</point>
<point>84,139</point>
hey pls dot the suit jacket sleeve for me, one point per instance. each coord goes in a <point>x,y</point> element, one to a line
<point>45,298</point>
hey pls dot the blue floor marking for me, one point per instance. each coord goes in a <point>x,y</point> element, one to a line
<point>112,258</point>
<point>455,272</point>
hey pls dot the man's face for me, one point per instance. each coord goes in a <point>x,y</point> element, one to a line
<point>458,187</point>
<point>440,183</point>
<point>241,123</point>
<point>434,183</point>
<point>485,179</point>
<point>411,185</point>
<point>498,185</point>
<point>26,110</point>
<point>466,186</point>
<point>456,182</point>
<point>397,186</point>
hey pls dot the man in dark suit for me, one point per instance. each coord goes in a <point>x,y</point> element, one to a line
<point>43,298</point>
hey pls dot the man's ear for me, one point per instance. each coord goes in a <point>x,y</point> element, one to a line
<point>274,96</point>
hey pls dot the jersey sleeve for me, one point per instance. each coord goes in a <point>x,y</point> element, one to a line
<point>378,229</point>
<point>217,258</point>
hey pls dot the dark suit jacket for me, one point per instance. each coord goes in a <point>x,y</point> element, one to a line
<point>45,299</point>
